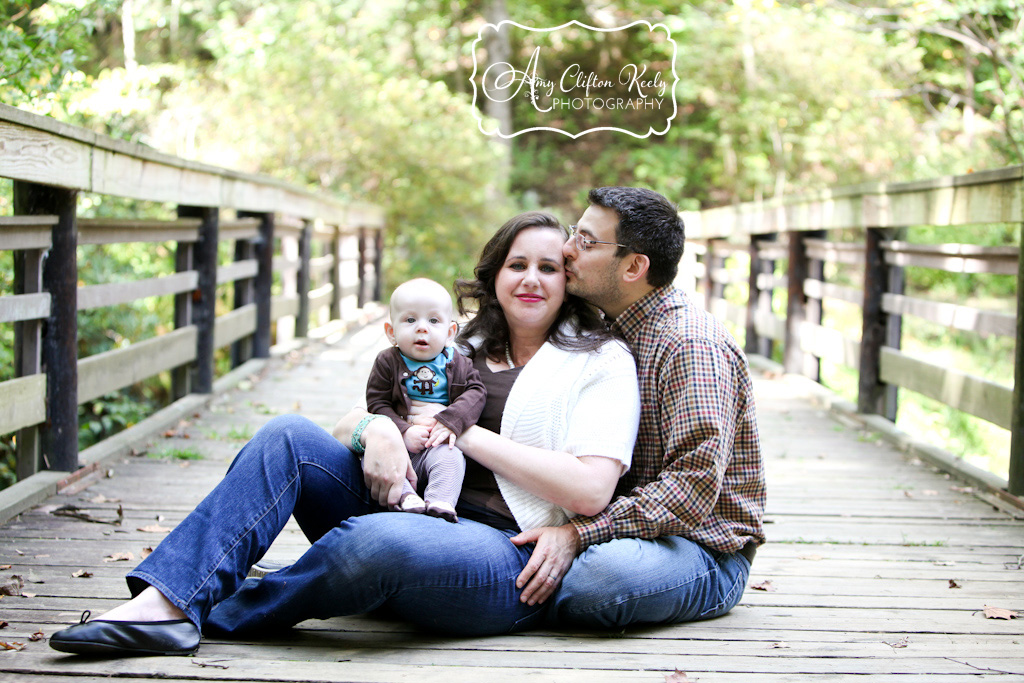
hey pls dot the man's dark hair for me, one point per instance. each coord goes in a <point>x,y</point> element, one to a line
<point>649,224</point>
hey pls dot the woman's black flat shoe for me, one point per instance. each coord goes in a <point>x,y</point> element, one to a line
<point>124,638</point>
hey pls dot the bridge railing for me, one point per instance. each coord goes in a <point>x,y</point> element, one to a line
<point>786,247</point>
<point>324,253</point>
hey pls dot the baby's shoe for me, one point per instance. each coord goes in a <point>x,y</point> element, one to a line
<point>412,503</point>
<point>442,510</point>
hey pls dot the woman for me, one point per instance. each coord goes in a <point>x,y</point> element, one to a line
<point>551,371</point>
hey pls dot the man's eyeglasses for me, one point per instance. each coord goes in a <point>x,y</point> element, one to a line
<point>583,243</point>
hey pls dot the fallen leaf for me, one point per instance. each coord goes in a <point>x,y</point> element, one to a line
<point>962,489</point>
<point>999,613</point>
<point>145,552</point>
<point>929,492</point>
<point>12,646</point>
<point>953,584</point>
<point>3,624</point>
<point>33,578</point>
<point>154,529</point>
<point>765,585</point>
<point>81,574</point>
<point>119,557</point>
<point>18,551</point>
<point>676,677</point>
<point>28,595</point>
<point>908,494</point>
<point>12,586</point>
<point>100,499</point>
<point>297,407</point>
<point>781,645</point>
<point>37,636</point>
<point>4,567</point>
<point>901,643</point>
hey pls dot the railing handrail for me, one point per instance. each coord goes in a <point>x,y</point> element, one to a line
<point>864,206</point>
<point>86,159</point>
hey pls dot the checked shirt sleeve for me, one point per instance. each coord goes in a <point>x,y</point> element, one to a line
<point>692,409</point>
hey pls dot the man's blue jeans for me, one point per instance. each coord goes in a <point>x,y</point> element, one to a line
<point>454,578</point>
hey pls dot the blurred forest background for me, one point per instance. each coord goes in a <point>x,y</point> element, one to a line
<point>371,100</point>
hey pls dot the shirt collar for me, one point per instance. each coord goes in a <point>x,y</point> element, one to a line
<point>632,319</point>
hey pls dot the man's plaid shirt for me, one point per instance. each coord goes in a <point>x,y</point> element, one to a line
<point>697,469</point>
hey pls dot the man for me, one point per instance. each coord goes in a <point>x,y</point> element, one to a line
<point>677,541</point>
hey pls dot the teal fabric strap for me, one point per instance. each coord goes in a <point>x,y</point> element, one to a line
<point>357,445</point>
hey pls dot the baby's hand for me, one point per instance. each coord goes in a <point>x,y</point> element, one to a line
<point>416,438</point>
<point>439,434</point>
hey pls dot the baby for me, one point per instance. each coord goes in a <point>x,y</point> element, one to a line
<point>423,367</point>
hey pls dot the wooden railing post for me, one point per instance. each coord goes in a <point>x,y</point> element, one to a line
<point>361,294</point>
<point>60,342</point>
<point>1016,474</point>
<point>378,265</point>
<point>28,279</point>
<point>896,279</point>
<point>336,274</point>
<point>712,262</point>
<point>871,390</point>
<point>244,294</point>
<point>263,283</point>
<point>759,301</point>
<point>302,319</point>
<point>181,380</point>
<point>204,299</point>
<point>796,303</point>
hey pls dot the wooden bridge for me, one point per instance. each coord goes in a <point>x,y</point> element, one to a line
<point>886,556</point>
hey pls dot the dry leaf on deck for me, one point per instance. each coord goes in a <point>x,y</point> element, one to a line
<point>5,566</point>
<point>100,499</point>
<point>781,645</point>
<point>145,552</point>
<point>12,586</point>
<point>81,574</point>
<point>999,613</point>
<point>676,677</point>
<point>12,646</point>
<point>902,642</point>
<point>953,583</point>
<point>119,557</point>
<point>765,585</point>
<point>154,529</point>
<point>3,624</point>
<point>37,636</point>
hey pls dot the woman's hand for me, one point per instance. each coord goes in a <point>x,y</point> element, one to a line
<point>386,463</point>
<point>557,547</point>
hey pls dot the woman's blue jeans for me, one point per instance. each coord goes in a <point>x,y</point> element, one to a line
<point>454,578</point>
<point>457,578</point>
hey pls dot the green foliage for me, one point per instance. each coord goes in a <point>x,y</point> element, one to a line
<point>177,454</point>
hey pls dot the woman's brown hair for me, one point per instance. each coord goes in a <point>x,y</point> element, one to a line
<point>489,322</point>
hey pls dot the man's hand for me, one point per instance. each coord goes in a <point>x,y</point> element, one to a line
<point>557,547</point>
<point>440,434</point>
<point>386,463</point>
<point>416,438</point>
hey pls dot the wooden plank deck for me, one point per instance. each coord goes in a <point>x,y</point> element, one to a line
<point>877,566</point>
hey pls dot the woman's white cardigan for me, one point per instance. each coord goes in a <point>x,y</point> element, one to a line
<point>582,403</point>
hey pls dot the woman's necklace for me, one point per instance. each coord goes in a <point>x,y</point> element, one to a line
<point>508,357</point>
